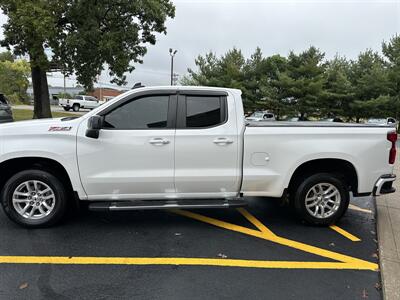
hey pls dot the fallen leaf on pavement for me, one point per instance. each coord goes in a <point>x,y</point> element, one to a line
<point>23,286</point>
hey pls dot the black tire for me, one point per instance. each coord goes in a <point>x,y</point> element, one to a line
<point>304,187</point>
<point>60,203</point>
<point>66,108</point>
<point>76,107</point>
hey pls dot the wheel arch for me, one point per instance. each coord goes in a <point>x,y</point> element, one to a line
<point>338,166</point>
<point>12,166</point>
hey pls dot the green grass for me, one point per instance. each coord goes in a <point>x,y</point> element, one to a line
<point>26,114</point>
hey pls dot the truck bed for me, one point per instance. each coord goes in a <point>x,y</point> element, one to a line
<point>312,124</point>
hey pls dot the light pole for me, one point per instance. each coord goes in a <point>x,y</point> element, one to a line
<point>172,54</point>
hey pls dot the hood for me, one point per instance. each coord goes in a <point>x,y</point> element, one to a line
<point>39,126</point>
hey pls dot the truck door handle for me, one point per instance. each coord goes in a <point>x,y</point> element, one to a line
<point>223,141</point>
<point>159,141</point>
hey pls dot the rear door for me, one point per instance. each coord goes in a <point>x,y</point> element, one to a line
<point>206,146</point>
<point>91,102</point>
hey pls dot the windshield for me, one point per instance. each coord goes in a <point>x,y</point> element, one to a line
<point>257,114</point>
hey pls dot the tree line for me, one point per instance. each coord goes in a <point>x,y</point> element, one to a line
<point>308,85</point>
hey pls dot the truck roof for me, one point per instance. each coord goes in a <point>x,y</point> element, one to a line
<point>188,87</point>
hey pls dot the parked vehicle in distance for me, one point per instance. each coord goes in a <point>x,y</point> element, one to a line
<point>336,119</point>
<point>261,116</point>
<point>296,119</point>
<point>389,121</point>
<point>78,102</point>
<point>5,110</point>
<point>187,147</point>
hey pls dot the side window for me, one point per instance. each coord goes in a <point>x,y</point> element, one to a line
<point>141,113</point>
<point>268,116</point>
<point>78,97</point>
<point>204,111</point>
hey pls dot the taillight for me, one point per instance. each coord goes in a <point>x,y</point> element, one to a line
<point>68,101</point>
<point>392,137</point>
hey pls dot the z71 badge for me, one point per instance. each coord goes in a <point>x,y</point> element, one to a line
<point>60,128</point>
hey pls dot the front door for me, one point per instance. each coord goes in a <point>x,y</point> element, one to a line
<point>134,154</point>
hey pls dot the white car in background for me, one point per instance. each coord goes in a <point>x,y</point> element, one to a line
<point>388,121</point>
<point>261,116</point>
<point>80,101</point>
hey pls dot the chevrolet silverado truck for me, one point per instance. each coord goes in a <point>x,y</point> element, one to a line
<point>187,147</point>
<point>79,102</point>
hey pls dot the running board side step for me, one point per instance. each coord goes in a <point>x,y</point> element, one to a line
<point>164,204</point>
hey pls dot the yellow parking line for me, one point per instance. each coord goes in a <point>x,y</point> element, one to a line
<point>64,260</point>
<point>218,223</point>
<point>344,259</point>
<point>255,222</point>
<point>345,233</point>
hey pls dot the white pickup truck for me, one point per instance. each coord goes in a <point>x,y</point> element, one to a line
<point>79,102</point>
<point>187,147</point>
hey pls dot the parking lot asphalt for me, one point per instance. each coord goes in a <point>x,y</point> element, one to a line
<point>259,252</point>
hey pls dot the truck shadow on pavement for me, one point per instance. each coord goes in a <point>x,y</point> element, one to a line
<point>264,235</point>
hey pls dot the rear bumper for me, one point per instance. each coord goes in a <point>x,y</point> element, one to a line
<point>384,185</point>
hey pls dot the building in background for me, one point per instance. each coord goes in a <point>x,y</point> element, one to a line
<point>105,94</point>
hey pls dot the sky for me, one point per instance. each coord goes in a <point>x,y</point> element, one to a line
<point>277,27</point>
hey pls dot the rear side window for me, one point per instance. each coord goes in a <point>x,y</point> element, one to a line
<point>204,111</point>
<point>141,113</point>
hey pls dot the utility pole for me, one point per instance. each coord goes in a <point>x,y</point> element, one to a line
<point>172,54</point>
<point>65,81</point>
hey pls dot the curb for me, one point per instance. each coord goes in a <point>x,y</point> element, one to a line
<point>388,221</point>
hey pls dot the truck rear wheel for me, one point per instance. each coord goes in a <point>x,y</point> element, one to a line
<point>75,107</point>
<point>34,198</point>
<point>321,199</point>
<point>66,108</point>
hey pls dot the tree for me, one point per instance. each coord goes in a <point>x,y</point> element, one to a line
<point>82,37</point>
<point>226,70</point>
<point>338,90</point>
<point>391,51</point>
<point>13,77</point>
<point>6,56</point>
<point>273,97</point>
<point>369,79</point>
<point>302,82</point>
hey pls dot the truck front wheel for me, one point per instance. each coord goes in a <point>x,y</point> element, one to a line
<point>34,198</point>
<point>321,199</point>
